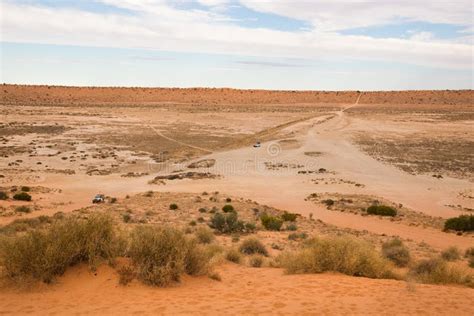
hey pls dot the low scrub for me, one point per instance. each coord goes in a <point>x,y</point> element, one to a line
<point>289,217</point>
<point>227,223</point>
<point>340,254</point>
<point>271,222</point>
<point>438,271</point>
<point>3,195</point>
<point>256,261</point>
<point>397,252</point>
<point>233,255</point>
<point>252,246</point>
<point>22,196</point>
<point>43,255</point>
<point>381,210</point>
<point>227,208</point>
<point>451,254</point>
<point>173,206</point>
<point>204,235</point>
<point>23,209</point>
<point>463,223</point>
<point>162,254</point>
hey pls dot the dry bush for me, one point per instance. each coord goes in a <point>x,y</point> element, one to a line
<point>204,235</point>
<point>252,246</point>
<point>43,255</point>
<point>256,261</point>
<point>233,255</point>
<point>438,271</point>
<point>339,254</point>
<point>397,252</point>
<point>126,274</point>
<point>162,254</point>
<point>451,254</point>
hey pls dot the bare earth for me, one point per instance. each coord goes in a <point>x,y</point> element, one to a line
<point>413,150</point>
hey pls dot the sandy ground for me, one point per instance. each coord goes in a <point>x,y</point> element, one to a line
<point>243,290</point>
<point>69,144</point>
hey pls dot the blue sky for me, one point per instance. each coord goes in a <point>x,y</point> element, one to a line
<point>317,45</point>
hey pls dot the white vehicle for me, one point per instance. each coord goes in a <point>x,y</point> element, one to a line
<point>256,145</point>
<point>99,198</point>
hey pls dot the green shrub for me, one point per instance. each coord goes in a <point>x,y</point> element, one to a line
<point>397,252</point>
<point>227,208</point>
<point>250,227</point>
<point>341,254</point>
<point>256,261</point>
<point>451,254</point>
<point>233,255</point>
<point>23,209</point>
<point>3,195</point>
<point>271,222</point>
<point>25,189</point>
<point>438,271</point>
<point>381,210</point>
<point>227,223</point>
<point>291,227</point>
<point>204,235</point>
<point>22,196</point>
<point>173,206</point>
<point>289,217</point>
<point>252,246</point>
<point>45,254</point>
<point>461,223</point>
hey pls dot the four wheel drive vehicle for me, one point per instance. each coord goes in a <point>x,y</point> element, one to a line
<point>99,198</point>
<point>256,145</point>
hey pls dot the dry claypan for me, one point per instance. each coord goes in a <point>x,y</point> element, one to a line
<point>345,207</point>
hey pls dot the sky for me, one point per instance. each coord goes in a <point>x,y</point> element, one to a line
<point>250,44</point>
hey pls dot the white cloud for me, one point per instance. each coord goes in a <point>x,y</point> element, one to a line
<point>158,25</point>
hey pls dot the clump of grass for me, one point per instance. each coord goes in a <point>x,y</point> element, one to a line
<point>252,246</point>
<point>202,210</point>
<point>233,255</point>
<point>291,227</point>
<point>126,274</point>
<point>227,208</point>
<point>339,254</point>
<point>271,222</point>
<point>173,206</point>
<point>23,209</point>
<point>192,223</point>
<point>297,236</point>
<point>289,217</point>
<point>43,255</point>
<point>397,252</point>
<point>215,276</point>
<point>382,210</point>
<point>22,196</point>
<point>228,200</point>
<point>162,254</point>
<point>25,189</point>
<point>227,223</point>
<point>204,235</point>
<point>328,202</point>
<point>469,254</point>
<point>126,218</point>
<point>438,271</point>
<point>113,200</point>
<point>451,254</point>
<point>3,195</point>
<point>256,261</point>
<point>250,227</point>
<point>461,223</point>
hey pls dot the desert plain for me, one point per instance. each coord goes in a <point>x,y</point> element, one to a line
<point>325,156</point>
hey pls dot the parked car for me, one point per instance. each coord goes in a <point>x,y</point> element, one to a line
<point>256,145</point>
<point>99,198</point>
